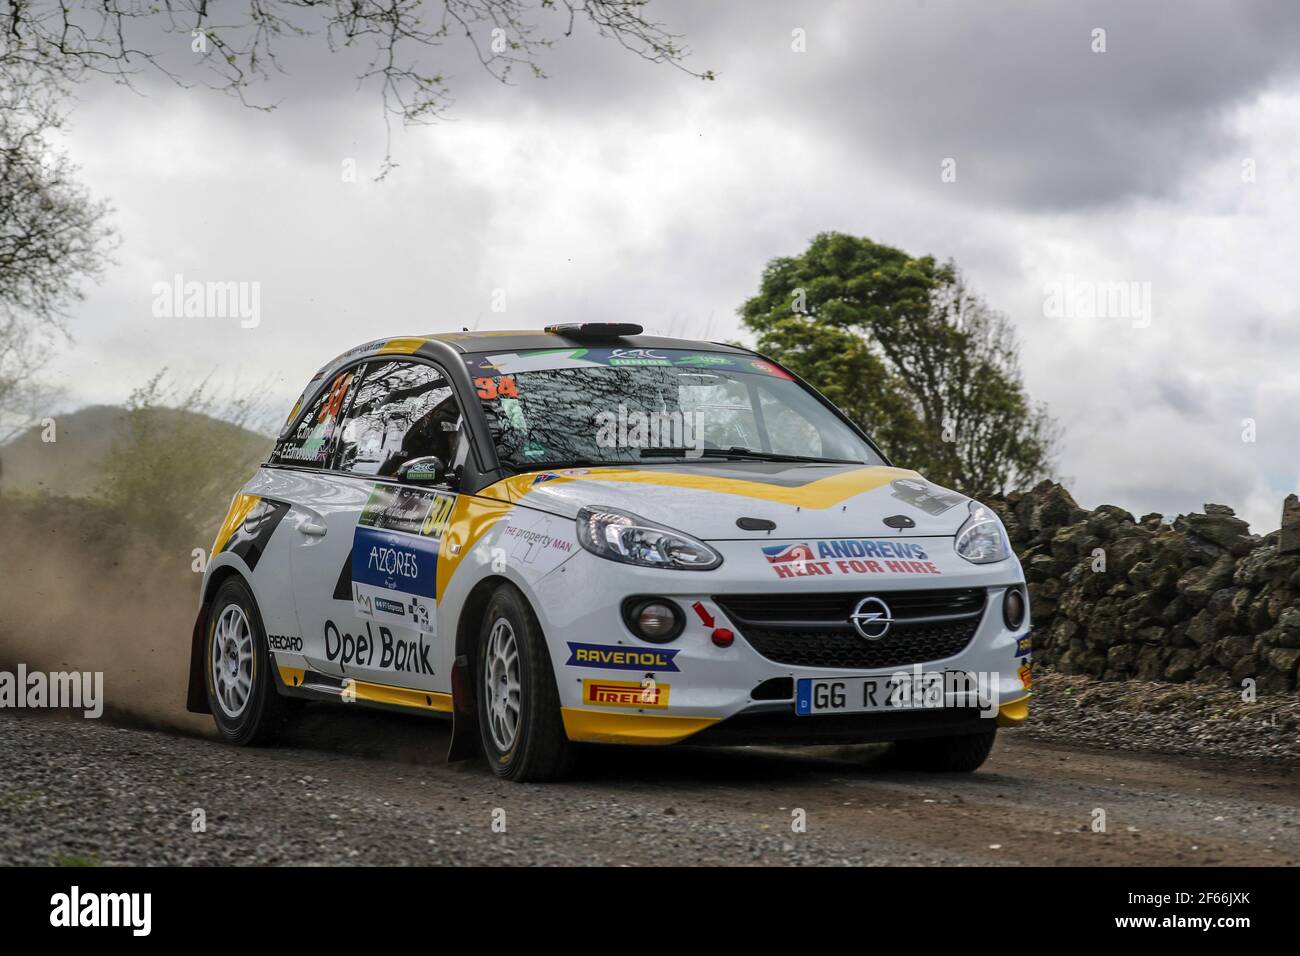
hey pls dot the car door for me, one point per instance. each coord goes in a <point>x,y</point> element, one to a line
<point>365,576</point>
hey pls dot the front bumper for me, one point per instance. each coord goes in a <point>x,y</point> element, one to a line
<point>704,693</point>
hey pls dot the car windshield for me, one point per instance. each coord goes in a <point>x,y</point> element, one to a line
<point>598,406</point>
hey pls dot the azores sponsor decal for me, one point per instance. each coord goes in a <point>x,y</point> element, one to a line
<point>394,578</point>
<point>394,563</point>
<point>921,494</point>
<point>625,693</point>
<point>250,539</point>
<point>853,557</point>
<point>1024,646</point>
<point>378,649</point>
<point>612,657</point>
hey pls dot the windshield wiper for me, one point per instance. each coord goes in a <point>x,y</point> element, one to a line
<point>522,466</point>
<point>736,453</point>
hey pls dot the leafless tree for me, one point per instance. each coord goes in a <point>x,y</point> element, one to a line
<point>237,44</point>
<point>53,236</point>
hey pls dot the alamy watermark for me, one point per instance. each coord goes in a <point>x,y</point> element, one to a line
<point>36,690</point>
<point>1074,298</point>
<point>635,428</point>
<point>133,911</point>
<point>179,299</point>
<point>922,689</point>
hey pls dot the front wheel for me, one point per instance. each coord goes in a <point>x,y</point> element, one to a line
<point>961,754</point>
<point>518,704</point>
<point>245,704</point>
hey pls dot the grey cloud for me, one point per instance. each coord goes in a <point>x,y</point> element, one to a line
<point>1012,92</point>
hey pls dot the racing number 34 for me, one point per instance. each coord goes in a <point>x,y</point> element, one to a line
<point>492,388</point>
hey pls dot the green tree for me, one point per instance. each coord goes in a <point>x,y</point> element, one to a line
<point>910,353</point>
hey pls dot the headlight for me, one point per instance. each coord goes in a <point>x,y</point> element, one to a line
<point>620,536</point>
<point>981,539</point>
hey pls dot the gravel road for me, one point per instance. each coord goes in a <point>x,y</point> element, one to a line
<point>371,788</point>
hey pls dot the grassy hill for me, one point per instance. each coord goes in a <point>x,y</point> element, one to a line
<point>71,464</point>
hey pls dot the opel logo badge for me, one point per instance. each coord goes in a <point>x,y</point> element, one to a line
<point>871,618</point>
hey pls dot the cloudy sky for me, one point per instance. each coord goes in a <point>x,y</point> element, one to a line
<point>620,189</point>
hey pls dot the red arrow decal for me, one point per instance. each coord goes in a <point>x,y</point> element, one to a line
<point>705,616</point>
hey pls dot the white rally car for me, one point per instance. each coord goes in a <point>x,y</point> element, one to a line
<point>591,535</point>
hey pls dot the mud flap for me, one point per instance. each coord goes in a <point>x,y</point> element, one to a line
<point>196,697</point>
<point>464,726</point>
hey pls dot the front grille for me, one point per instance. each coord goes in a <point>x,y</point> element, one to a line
<point>813,630</point>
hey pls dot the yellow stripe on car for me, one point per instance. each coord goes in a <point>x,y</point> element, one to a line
<point>470,520</point>
<point>239,509</point>
<point>402,696</point>
<point>820,493</point>
<point>596,726</point>
<point>401,346</point>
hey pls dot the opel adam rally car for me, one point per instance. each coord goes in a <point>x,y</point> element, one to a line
<point>589,535</point>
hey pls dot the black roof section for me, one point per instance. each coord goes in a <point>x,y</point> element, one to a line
<point>525,340</point>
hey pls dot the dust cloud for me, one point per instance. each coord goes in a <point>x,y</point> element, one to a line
<point>80,592</point>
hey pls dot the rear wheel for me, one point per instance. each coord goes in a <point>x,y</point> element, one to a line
<point>245,704</point>
<point>518,704</point>
<point>961,754</point>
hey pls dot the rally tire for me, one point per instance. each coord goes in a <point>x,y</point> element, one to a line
<point>533,746</point>
<point>961,754</point>
<point>260,714</point>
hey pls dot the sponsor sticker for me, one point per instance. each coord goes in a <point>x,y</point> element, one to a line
<point>852,557</point>
<point>784,553</point>
<point>490,371</point>
<point>284,642</point>
<point>532,541</point>
<point>612,657</point>
<point>393,576</point>
<point>1024,646</point>
<point>637,357</point>
<point>382,651</point>
<point>420,473</point>
<point>407,510</point>
<point>707,359</point>
<point>395,555</point>
<point>1026,673</point>
<point>623,693</point>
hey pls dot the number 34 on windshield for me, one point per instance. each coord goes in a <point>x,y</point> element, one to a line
<point>493,388</point>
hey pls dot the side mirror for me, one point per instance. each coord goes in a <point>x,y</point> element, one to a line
<point>425,470</point>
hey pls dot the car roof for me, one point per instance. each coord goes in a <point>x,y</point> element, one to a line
<point>526,339</point>
<point>470,343</point>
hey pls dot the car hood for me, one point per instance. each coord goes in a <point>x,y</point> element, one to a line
<point>706,499</point>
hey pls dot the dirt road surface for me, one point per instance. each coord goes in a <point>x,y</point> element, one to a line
<point>369,788</point>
